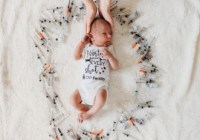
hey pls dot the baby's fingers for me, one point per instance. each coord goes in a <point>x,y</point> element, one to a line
<point>104,52</point>
<point>86,37</point>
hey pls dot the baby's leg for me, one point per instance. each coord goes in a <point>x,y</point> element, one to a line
<point>76,100</point>
<point>100,100</point>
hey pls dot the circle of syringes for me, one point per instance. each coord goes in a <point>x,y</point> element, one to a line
<point>52,27</point>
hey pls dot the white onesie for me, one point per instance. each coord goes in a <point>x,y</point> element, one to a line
<point>95,74</point>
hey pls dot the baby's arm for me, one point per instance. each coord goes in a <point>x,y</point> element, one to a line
<point>79,50</point>
<point>80,46</point>
<point>112,60</point>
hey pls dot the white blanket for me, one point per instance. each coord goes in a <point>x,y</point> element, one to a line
<point>175,25</point>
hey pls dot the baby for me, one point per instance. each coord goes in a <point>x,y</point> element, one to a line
<point>90,97</point>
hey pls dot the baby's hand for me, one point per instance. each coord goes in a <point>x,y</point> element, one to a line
<point>107,53</point>
<point>86,39</point>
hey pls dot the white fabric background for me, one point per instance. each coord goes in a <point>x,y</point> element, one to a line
<point>175,24</point>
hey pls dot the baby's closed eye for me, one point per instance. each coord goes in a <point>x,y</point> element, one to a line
<point>107,33</point>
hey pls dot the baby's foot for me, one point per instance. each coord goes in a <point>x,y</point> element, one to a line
<point>83,108</point>
<point>84,116</point>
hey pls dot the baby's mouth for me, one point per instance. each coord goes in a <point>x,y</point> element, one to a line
<point>108,43</point>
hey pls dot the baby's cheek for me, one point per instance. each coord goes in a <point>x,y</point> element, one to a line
<point>101,40</point>
<point>104,39</point>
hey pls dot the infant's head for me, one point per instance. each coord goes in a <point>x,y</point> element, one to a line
<point>101,33</point>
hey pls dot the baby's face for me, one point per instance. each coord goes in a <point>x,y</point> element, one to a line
<point>102,35</point>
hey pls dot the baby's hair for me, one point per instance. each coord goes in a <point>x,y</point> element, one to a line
<point>94,22</point>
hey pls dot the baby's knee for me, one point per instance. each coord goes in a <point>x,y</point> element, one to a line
<point>74,99</point>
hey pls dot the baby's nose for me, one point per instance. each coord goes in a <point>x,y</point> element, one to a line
<point>109,36</point>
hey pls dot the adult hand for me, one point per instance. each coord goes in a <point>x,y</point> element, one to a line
<point>105,12</point>
<point>91,11</point>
